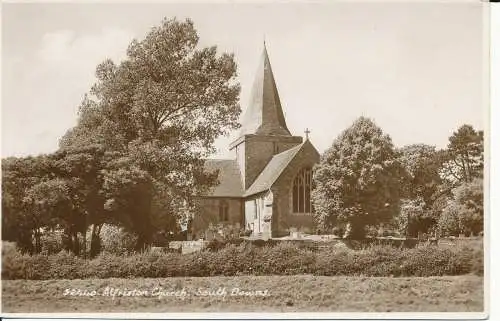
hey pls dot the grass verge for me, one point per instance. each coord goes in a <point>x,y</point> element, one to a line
<point>298,293</point>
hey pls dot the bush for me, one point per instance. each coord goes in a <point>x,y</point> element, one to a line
<point>246,233</point>
<point>116,240</point>
<point>52,242</point>
<point>249,258</point>
<point>338,231</point>
<point>9,248</point>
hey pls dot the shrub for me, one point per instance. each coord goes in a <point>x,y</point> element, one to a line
<point>65,265</point>
<point>449,221</point>
<point>283,259</point>
<point>247,258</point>
<point>16,265</point>
<point>477,263</point>
<point>8,248</point>
<point>338,231</point>
<point>52,242</point>
<point>245,233</point>
<point>215,245</point>
<point>332,261</point>
<point>116,240</point>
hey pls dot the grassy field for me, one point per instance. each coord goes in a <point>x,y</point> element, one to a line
<point>301,293</point>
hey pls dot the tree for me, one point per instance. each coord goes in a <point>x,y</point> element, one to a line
<point>59,191</point>
<point>166,90</point>
<point>129,193</point>
<point>470,196</point>
<point>450,222</point>
<point>161,110</point>
<point>412,212</point>
<point>18,176</point>
<point>464,213</point>
<point>357,179</point>
<point>464,158</point>
<point>420,187</point>
<point>81,167</point>
<point>421,166</point>
<point>46,203</point>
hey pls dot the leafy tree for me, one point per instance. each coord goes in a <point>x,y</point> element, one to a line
<point>160,110</point>
<point>421,166</point>
<point>18,176</point>
<point>420,187</point>
<point>464,158</point>
<point>36,188</point>
<point>450,221</point>
<point>166,90</point>
<point>82,168</point>
<point>129,192</point>
<point>464,214</point>
<point>357,179</point>
<point>412,212</point>
<point>45,203</point>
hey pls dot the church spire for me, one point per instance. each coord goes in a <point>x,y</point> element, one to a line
<point>264,115</point>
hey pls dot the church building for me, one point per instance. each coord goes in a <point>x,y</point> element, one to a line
<point>266,187</point>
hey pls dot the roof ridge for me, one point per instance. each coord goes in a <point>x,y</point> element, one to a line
<point>288,150</point>
<point>294,150</point>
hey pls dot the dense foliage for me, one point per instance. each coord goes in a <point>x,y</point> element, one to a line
<point>357,180</point>
<point>135,159</point>
<point>364,185</point>
<point>247,259</point>
<point>464,213</point>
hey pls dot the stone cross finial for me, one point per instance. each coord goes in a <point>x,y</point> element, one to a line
<point>307,131</point>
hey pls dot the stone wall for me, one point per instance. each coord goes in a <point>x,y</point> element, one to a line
<point>209,214</point>
<point>282,191</point>
<point>256,151</point>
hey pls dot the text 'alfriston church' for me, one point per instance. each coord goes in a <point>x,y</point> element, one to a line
<point>266,188</point>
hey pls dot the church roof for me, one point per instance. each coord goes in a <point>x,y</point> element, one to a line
<point>264,114</point>
<point>230,183</point>
<point>273,170</point>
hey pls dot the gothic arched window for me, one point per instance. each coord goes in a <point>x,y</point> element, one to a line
<point>301,192</point>
<point>223,211</point>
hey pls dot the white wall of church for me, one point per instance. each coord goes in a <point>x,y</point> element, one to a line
<point>258,214</point>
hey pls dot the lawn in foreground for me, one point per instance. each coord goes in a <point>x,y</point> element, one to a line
<point>301,293</point>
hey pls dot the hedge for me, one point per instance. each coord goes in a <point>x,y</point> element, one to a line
<point>247,259</point>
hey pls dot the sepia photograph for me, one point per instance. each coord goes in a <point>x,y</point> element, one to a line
<point>266,158</point>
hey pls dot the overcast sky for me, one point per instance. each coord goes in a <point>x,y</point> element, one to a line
<point>415,68</point>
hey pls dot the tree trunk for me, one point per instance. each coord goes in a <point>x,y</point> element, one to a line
<point>95,240</point>
<point>26,242</point>
<point>142,242</point>
<point>84,234</point>
<point>76,244</point>
<point>464,169</point>
<point>38,247</point>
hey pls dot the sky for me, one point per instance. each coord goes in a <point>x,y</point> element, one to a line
<point>416,68</point>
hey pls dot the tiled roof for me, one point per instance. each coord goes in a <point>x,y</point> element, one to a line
<point>264,115</point>
<point>230,182</point>
<point>273,170</point>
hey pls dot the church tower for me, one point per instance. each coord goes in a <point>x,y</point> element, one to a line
<point>264,132</point>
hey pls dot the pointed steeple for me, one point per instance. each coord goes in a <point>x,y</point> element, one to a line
<point>264,115</point>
